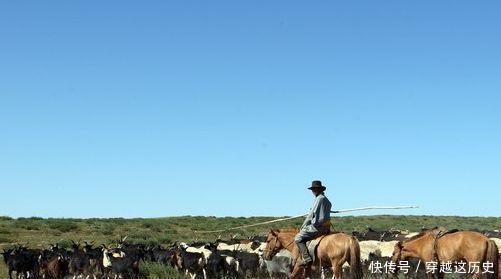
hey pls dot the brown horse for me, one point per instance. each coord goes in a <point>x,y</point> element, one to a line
<point>333,250</point>
<point>466,246</point>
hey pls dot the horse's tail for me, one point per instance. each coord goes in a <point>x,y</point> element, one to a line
<point>492,256</point>
<point>355,263</point>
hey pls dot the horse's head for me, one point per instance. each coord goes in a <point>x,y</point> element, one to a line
<point>396,257</point>
<point>273,245</point>
<point>401,252</point>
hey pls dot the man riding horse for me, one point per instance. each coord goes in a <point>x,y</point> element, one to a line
<point>317,221</point>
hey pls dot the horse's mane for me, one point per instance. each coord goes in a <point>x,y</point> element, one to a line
<point>421,234</point>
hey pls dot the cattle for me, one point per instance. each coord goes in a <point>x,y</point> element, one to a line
<point>203,249</point>
<point>498,243</point>
<point>493,234</point>
<point>122,266</point>
<point>22,260</point>
<point>79,263</point>
<point>393,235</point>
<point>230,264</point>
<point>95,258</point>
<point>160,255</point>
<point>258,238</point>
<point>220,259</point>
<point>372,252</point>
<point>214,264</point>
<point>231,260</point>
<point>372,234</point>
<point>192,263</point>
<point>280,265</point>
<point>249,263</point>
<point>214,260</point>
<point>134,253</point>
<point>123,261</point>
<point>250,246</point>
<point>53,264</point>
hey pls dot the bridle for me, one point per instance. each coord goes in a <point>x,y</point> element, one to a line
<point>273,253</point>
<point>400,248</point>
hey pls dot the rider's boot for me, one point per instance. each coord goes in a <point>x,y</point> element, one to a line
<point>303,250</point>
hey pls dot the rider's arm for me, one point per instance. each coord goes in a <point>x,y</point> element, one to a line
<point>315,211</point>
<point>321,212</point>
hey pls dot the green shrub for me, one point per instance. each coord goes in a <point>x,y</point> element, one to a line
<point>27,224</point>
<point>30,218</point>
<point>164,240</point>
<point>106,229</point>
<point>62,225</point>
<point>4,239</point>
<point>65,243</point>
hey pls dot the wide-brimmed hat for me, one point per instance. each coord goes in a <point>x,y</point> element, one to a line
<point>317,184</point>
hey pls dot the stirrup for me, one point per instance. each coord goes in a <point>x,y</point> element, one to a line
<point>305,263</point>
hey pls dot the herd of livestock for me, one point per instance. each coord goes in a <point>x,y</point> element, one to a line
<point>236,258</point>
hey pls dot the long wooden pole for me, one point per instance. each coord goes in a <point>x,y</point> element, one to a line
<point>303,215</point>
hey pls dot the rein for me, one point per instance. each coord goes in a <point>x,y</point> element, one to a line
<point>289,244</point>
<point>285,247</point>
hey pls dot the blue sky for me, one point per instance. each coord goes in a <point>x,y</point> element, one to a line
<point>231,108</point>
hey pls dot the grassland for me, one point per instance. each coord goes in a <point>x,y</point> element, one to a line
<point>39,233</point>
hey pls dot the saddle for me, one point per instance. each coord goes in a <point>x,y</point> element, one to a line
<point>438,233</point>
<point>313,244</point>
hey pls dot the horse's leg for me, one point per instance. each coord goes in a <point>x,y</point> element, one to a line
<point>296,270</point>
<point>307,271</point>
<point>334,272</point>
<point>336,269</point>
